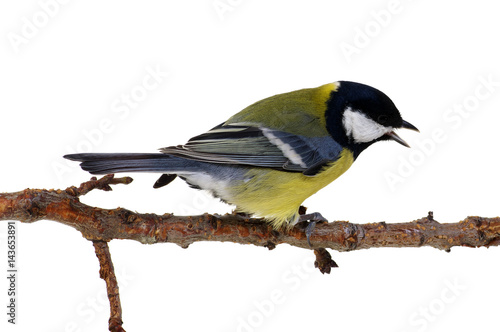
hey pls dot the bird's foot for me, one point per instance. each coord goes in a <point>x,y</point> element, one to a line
<point>312,219</point>
<point>242,215</point>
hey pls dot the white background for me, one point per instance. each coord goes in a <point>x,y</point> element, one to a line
<point>65,68</point>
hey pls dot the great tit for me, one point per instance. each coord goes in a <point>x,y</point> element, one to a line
<point>271,156</point>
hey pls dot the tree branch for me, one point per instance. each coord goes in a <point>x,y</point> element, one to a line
<point>95,223</point>
<point>107,273</point>
<point>102,225</point>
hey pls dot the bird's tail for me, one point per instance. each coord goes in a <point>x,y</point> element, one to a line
<point>107,163</point>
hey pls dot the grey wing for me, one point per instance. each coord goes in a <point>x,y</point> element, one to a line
<point>260,147</point>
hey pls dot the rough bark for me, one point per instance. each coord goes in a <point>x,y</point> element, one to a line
<point>102,225</point>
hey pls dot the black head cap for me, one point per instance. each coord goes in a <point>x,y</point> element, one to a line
<point>365,99</point>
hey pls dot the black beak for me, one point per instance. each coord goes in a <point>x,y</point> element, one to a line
<point>392,135</point>
<point>408,125</point>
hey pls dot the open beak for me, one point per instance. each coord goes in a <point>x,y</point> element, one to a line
<point>398,139</point>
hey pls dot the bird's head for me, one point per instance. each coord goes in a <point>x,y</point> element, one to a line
<point>359,115</point>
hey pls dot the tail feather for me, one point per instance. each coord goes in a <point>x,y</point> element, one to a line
<point>106,163</point>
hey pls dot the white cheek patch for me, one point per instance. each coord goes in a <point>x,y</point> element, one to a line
<point>361,128</point>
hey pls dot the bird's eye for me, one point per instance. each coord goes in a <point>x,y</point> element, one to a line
<point>382,119</point>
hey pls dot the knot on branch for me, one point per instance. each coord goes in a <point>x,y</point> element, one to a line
<point>31,205</point>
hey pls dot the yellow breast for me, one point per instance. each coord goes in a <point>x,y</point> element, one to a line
<point>277,195</point>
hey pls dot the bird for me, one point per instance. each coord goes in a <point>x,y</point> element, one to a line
<point>271,156</point>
